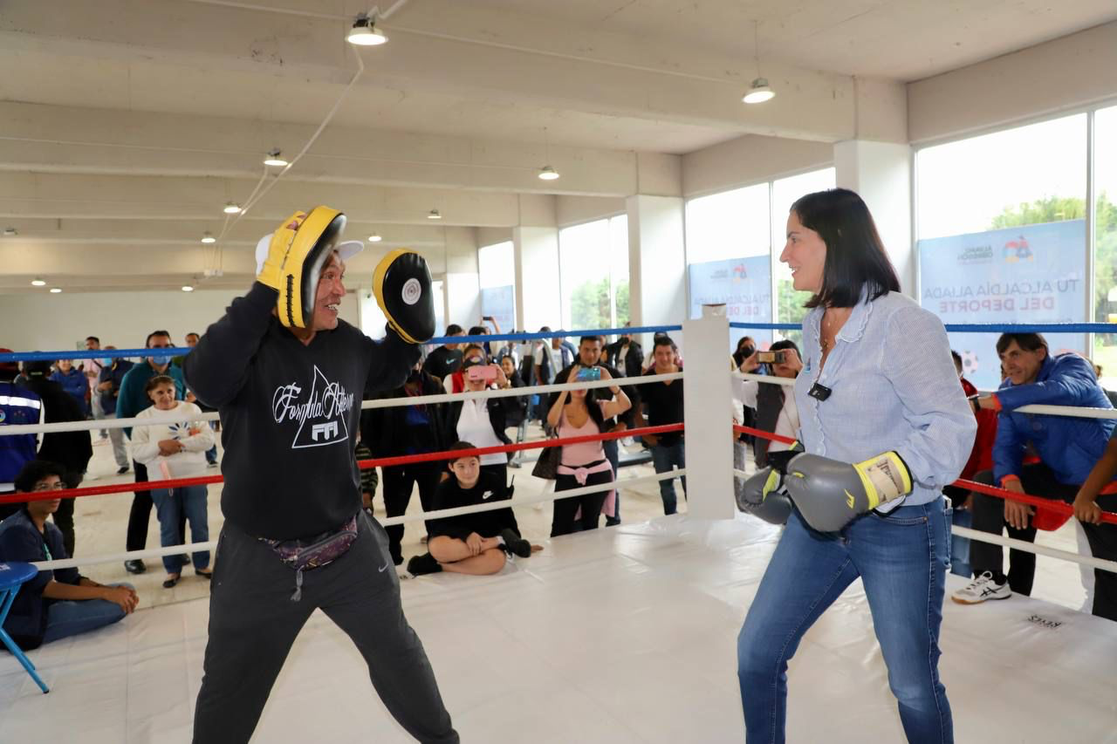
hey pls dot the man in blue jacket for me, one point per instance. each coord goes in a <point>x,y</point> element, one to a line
<point>1068,448</point>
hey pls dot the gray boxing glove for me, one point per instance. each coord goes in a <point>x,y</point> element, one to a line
<point>762,496</point>
<point>829,493</point>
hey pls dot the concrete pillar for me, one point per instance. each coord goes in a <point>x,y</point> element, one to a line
<point>881,173</point>
<point>657,262</point>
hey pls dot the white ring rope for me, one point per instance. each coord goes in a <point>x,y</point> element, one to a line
<point>1027,547</point>
<point>420,517</point>
<point>98,424</point>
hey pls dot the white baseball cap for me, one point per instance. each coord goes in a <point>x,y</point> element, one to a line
<point>346,250</point>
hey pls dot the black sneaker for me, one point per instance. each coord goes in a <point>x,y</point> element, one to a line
<point>515,544</point>
<point>423,564</point>
<point>122,470</point>
<point>135,566</point>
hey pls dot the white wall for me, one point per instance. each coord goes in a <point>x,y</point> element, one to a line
<point>1066,73</point>
<point>49,322</point>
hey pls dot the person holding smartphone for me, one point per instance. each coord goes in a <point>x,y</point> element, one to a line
<point>482,421</point>
<point>577,413</point>
<point>774,404</point>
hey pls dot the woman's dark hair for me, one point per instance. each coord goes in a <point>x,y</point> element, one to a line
<point>478,331</point>
<point>1026,341</point>
<point>785,344</point>
<point>158,380</point>
<point>456,446</point>
<point>594,409</point>
<point>856,261</point>
<point>36,471</point>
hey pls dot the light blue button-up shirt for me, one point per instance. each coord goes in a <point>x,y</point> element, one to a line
<point>894,387</point>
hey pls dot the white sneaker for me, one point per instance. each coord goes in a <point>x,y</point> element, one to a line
<point>981,589</point>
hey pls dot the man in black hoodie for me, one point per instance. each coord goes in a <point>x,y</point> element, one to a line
<point>288,377</point>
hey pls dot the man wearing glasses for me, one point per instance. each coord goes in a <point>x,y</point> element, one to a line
<point>55,604</point>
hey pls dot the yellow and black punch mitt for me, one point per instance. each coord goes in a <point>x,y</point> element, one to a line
<point>296,253</point>
<point>402,285</point>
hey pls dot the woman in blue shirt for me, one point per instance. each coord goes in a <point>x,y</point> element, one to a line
<point>877,378</point>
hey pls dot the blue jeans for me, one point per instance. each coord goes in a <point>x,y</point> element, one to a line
<point>612,454</point>
<point>666,457</point>
<point>193,505</point>
<point>901,558</point>
<point>69,618</point>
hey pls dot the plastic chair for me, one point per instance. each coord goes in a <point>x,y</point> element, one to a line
<point>12,576</point>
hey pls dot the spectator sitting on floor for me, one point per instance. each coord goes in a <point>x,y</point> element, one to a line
<point>1068,448</point>
<point>74,382</point>
<point>56,603</point>
<point>470,543</point>
<point>171,450</point>
<point>70,449</point>
<point>454,382</point>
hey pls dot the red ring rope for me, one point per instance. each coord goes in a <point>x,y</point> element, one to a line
<point>1057,507</point>
<point>362,464</point>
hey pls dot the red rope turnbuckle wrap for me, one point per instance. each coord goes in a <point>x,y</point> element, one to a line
<point>362,464</point>
<point>1056,507</point>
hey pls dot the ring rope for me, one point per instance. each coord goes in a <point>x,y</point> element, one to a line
<point>160,485</point>
<point>419,517</point>
<point>1058,507</point>
<point>121,423</point>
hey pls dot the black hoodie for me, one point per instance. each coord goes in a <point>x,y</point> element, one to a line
<point>290,414</point>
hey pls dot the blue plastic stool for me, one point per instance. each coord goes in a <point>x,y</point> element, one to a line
<point>12,576</point>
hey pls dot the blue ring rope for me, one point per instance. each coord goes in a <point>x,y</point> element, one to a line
<point>38,356</point>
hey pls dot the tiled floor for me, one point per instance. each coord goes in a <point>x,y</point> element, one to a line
<point>612,636</point>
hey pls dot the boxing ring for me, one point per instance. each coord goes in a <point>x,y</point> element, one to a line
<point>625,634</point>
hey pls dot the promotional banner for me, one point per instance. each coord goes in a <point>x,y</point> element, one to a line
<point>743,285</point>
<point>500,303</point>
<point>1032,274</point>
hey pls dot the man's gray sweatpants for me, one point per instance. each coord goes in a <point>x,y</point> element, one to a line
<point>253,623</point>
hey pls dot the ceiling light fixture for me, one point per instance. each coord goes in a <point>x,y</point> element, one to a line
<point>208,238</point>
<point>434,214</point>
<point>275,158</point>
<point>547,173</point>
<point>10,232</point>
<point>232,208</point>
<point>365,32</point>
<point>759,91</point>
<point>55,290</point>
<point>375,238</point>
<point>37,282</point>
<point>187,288</point>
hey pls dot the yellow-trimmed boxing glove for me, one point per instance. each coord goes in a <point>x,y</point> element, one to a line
<point>829,493</point>
<point>296,253</point>
<point>402,285</point>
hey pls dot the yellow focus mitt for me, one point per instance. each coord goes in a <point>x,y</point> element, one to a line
<point>293,258</point>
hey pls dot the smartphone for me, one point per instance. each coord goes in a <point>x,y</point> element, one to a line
<point>770,357</point>
<point>589,374</point>
<point>483,372</point>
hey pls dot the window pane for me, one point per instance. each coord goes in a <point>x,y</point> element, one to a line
<point>1020,176</point>
<point>1105,238</point>
<point>584,270</point>
<point>618,258</point>
<point>1002,235</point>
<point>495,265</point>
<point>785,191</point>
<point>732,224</point>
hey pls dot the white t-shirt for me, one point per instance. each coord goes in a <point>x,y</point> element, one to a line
<point>476,427</point>
<point>196,438</point>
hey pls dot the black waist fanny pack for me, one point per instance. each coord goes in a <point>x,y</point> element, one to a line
<point>316,552</point>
